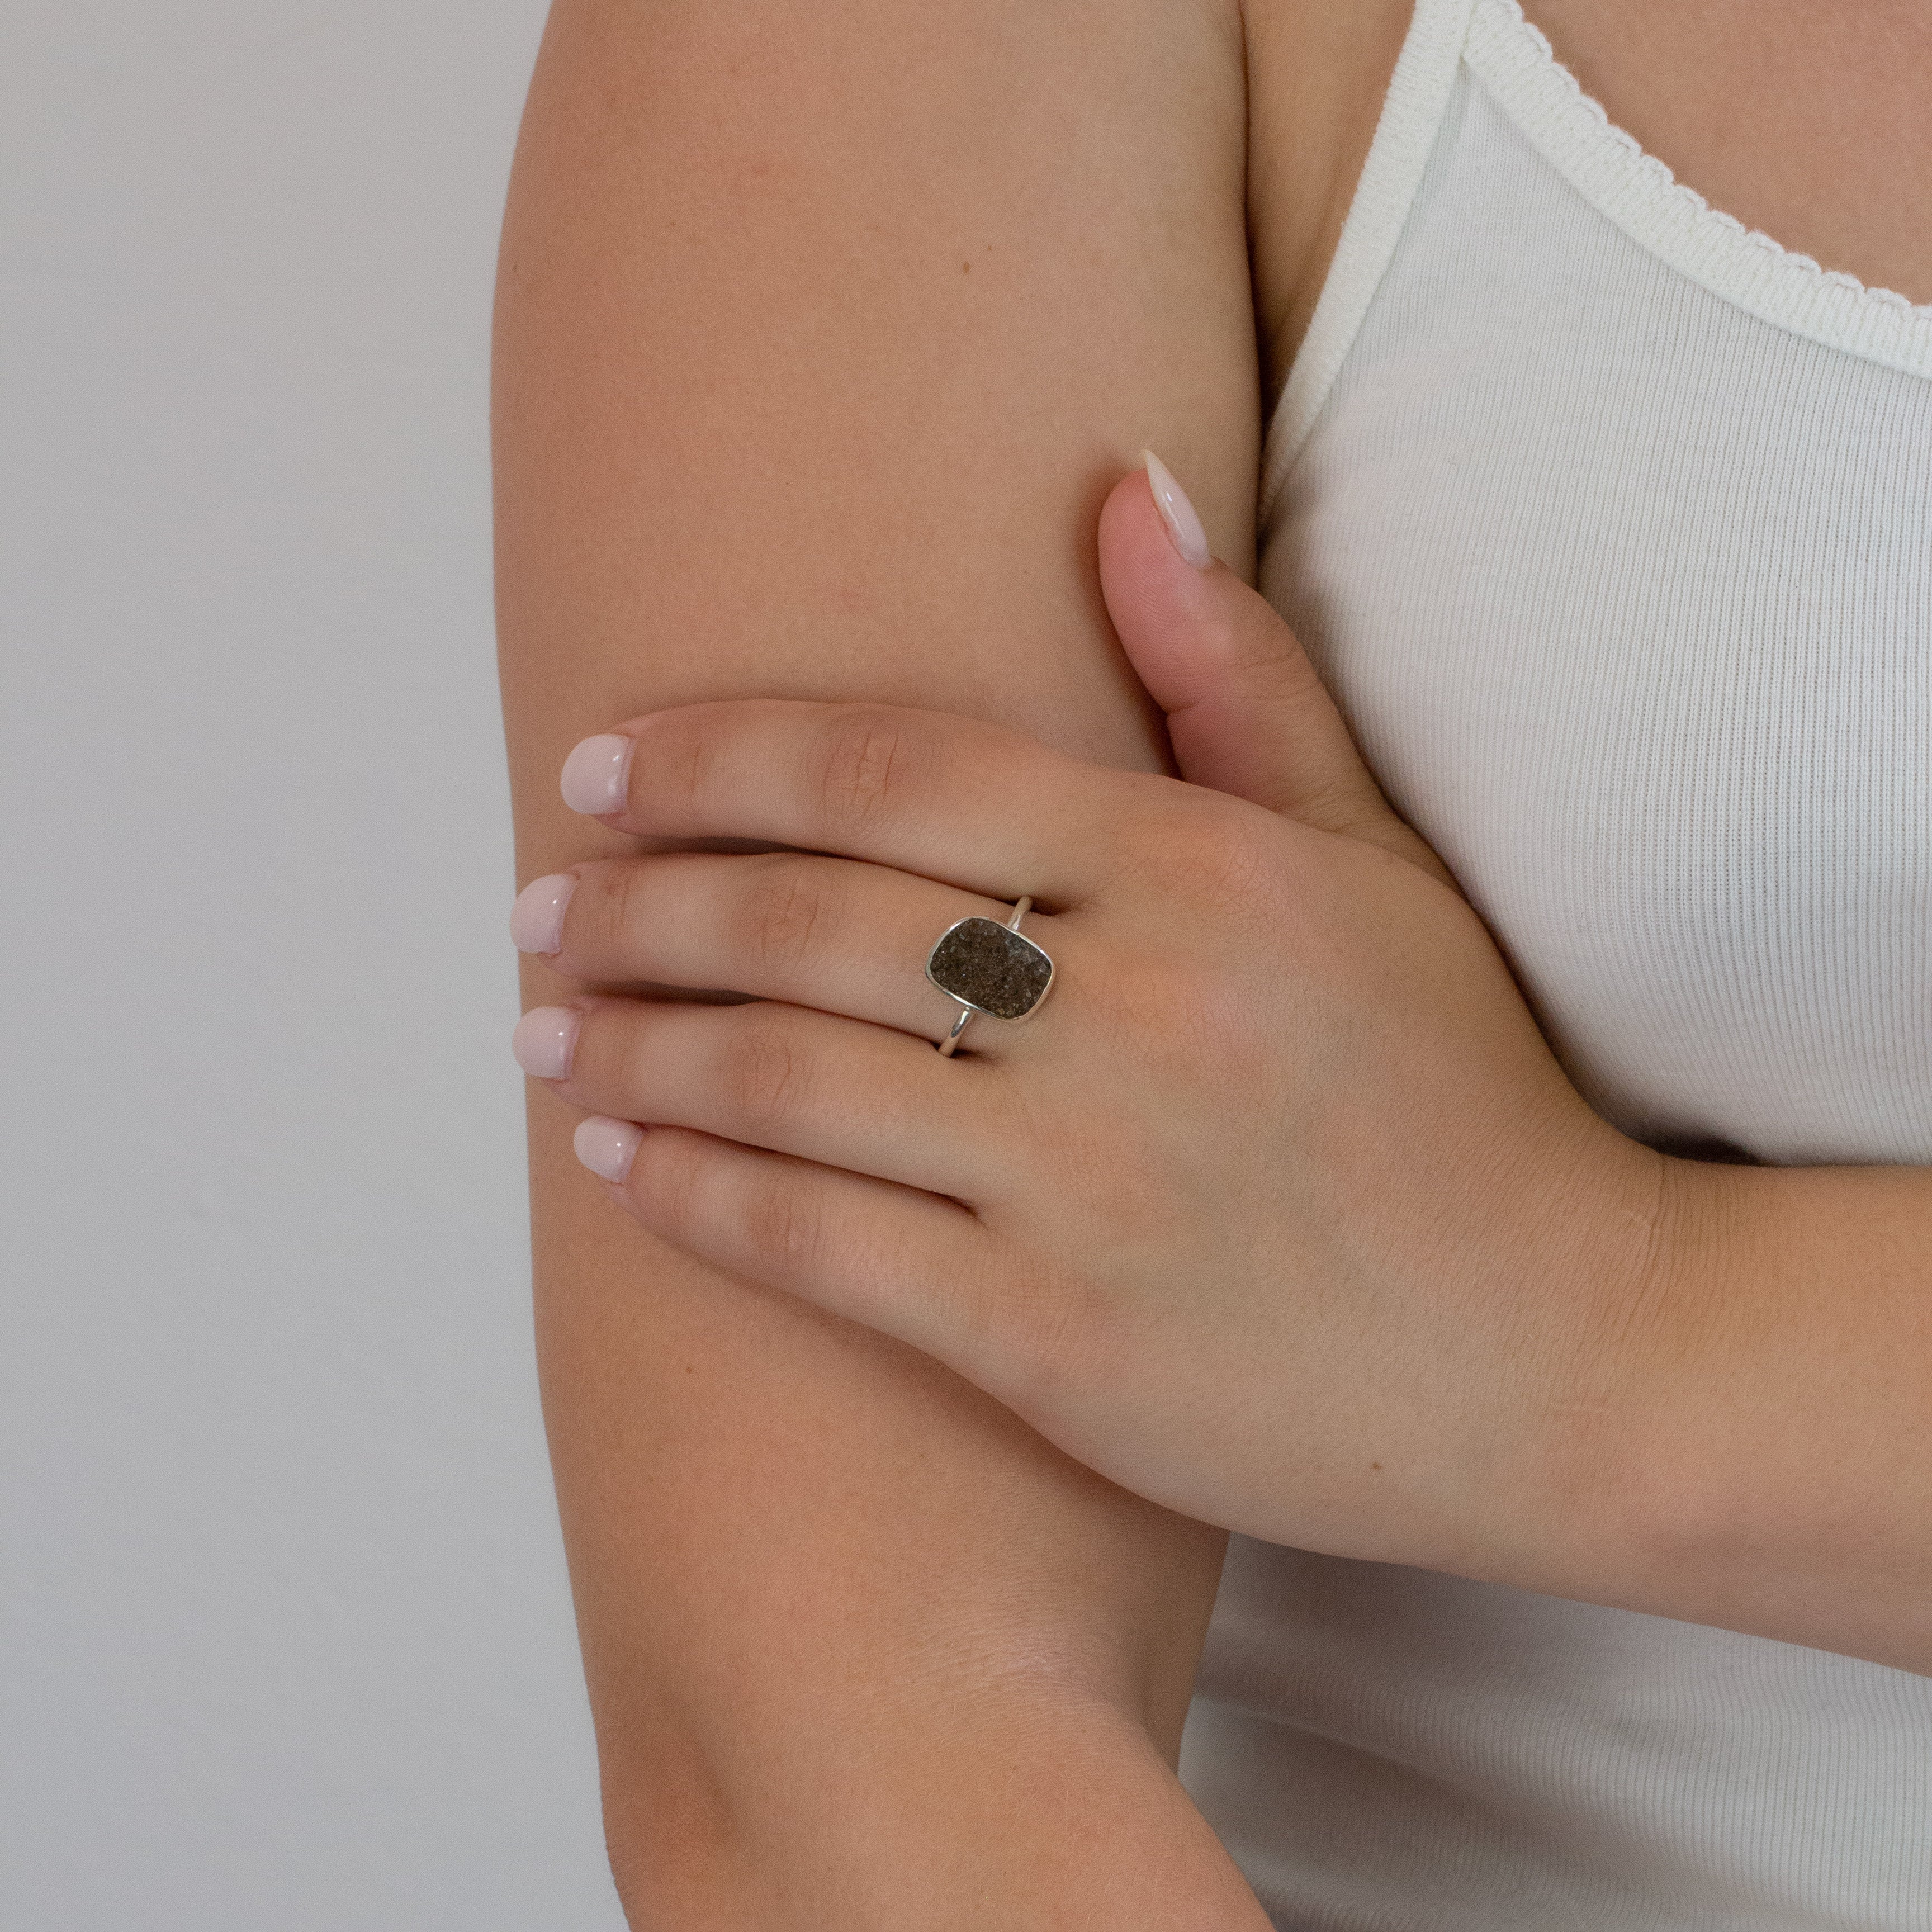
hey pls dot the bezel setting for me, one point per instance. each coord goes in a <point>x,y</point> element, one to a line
<point>990,968</point>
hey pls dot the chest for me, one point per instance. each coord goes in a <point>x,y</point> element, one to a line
<point>1805,119</point>
<point>1627,594</point>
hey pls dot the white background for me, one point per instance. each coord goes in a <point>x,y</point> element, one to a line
<point>287,1638</point>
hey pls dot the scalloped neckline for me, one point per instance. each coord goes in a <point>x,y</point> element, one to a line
<point>1513,58</point>
<point>1497,47</point>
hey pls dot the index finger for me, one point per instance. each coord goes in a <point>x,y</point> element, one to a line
<point>975,804</point>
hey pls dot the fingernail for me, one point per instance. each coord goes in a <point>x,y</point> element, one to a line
<point>545,1038</point>
<point>1176,512</point>
<point>608,1147</point>
<point>536,919</point>
<point>597,774</point>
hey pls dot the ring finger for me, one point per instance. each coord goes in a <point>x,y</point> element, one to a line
<point>838,934</point>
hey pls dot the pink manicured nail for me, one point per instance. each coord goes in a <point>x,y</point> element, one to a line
<point>536,919</point>
<point>597,774</point>
<point>545,1038</point>
<point>1184,526</point>
<point>608,1147</point>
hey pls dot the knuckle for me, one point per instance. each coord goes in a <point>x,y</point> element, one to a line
<point>764,1073</point>
<point>784,1224</point>
<point>685,761</point>
<point>619,910</point>
<point>863,763</point>
<point>1213,849</point>
<point>783,914</point>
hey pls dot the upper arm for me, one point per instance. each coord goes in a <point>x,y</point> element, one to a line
<point>1318,74</point>
<point>824,327</point>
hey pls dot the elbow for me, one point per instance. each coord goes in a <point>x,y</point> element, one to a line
<point>672,1837</point>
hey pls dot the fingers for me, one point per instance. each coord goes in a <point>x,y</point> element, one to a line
<point>955,799</point>
<point>908,1264</point>
<point>784,1078</point>
<point>1246,712</point>
<point>834,933</point>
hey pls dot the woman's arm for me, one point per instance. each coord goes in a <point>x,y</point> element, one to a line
<point>1758,1451</point>
<point>822,330</point>
<point>1317,1241</point>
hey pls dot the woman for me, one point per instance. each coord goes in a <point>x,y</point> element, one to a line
<point>1472,1144</point>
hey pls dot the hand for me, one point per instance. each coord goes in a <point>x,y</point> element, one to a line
<point>1278,1210</point>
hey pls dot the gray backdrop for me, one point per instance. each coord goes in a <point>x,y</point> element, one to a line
<point>287,1640</point>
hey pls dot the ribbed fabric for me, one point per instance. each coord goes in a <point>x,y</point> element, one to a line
<point>1609,524</point>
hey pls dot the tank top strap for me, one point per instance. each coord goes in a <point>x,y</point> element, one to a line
<point>1411,117</point>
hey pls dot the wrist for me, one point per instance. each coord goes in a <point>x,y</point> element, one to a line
<point>1637,1451</point>
<point>1557,1501</point>
<point>1763,1465</point>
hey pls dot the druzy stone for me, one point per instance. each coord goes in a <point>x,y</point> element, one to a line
<point>994,969</point>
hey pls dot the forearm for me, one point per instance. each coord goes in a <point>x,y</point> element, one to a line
<point>1761,1454</point>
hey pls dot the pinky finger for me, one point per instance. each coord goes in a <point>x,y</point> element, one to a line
<point>910,1265</point>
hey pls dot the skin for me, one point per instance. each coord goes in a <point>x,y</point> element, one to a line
<point>1805,119</point>
<point>1457,1321</point>
<point>863,1647</point>
<point>1308,1022</point>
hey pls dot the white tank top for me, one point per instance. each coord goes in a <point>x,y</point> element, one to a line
<point>1609,524</point>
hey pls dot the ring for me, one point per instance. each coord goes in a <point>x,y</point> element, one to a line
<point>989,968</point>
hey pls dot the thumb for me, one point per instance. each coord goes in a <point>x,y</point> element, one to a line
<point>1246,714</point>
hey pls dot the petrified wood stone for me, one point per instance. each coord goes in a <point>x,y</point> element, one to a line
<point>993,969</point>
